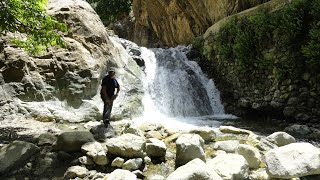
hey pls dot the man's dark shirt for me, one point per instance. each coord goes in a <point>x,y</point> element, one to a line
<point>111,84</point>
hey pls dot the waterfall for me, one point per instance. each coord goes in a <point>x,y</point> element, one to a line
<point>176,87</point>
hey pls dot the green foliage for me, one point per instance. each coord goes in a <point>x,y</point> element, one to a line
<point>293,32</point>
<point>312,49</point>
<point>29,17</point>
<point>111,10</point>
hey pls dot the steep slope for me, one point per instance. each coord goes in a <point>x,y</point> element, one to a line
<point>180,21</point>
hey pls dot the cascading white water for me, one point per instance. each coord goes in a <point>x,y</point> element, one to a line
<point>177,87</point>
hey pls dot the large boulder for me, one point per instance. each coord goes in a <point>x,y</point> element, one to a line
<point>16,154</point>
<point>251,154</point>
<point>189,147</point>
<point>281,138</point>
<point>72,141</point>
<point>194,170</point>
<point>155,148</point>
<point>293,160</point>
<point>229,166</point>
<point>62,83</point>
<point>120,174</point>
<point>127,145</point>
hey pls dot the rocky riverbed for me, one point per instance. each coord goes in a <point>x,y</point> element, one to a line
<point>126,151</point>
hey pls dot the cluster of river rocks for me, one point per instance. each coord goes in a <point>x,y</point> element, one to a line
<point>151,151</point>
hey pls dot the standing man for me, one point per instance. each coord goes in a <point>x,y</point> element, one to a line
<point>108,95</point>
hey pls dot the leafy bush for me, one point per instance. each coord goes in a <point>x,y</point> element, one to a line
<point>29,17</point>
<point>293,32</point>
<point>111,10</point>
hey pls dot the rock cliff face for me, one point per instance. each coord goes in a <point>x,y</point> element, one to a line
<point>180,21</point>
<point>68,75</point>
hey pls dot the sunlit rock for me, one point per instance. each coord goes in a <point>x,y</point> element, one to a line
<point>127,145</point>
<point>189,147</point>
<point>251,154</point>
<point>194,170</point>
<point>281,138</point>
<point>229,166</point>
<point>293,160</point>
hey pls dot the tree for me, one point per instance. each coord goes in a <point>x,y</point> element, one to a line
<point>111,10</point>
<point>30,18</point>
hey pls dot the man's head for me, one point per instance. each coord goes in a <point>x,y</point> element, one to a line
<point>111,73</point>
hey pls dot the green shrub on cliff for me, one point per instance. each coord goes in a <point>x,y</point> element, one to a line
<point>111,10</point>
<point>292,34</point>
<point>29,17</point>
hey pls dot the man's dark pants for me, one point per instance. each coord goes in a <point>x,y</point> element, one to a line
<point>107,112</point>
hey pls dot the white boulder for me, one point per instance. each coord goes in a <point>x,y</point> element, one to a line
<point>229,166</point>
<point>96,151</point>
<point>189,147</point>
<point>127,145</point>
<point>155,148</point>
<point>293,160</point>
<point>194,170</point>
<point>132,164</point>
<point>117,162</point>
<point>251,154</point>
<point>281,138</point>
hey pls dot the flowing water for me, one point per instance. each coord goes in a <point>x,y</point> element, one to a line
<point>177,92</point>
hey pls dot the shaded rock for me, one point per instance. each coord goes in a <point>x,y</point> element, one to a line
<point>16,154</point>
<point>189,147</point>
<point>155,148</point>
<point>208,134</point>
<point>72,141</point>
<point>293,160</point>
<point>229,166</point>
<point>96,151</point>
<point>120,174</point>
<point>139,174</point>
<point>46,163</point>
<point>101,133</point>
<point>228,146</point>
<point>127,145</point>
<point>132,164</point>
<point>46,139</point>
<point>298,130</point>
<point>75,171</point>
<point>194,170</point>
<point>281,138</point>
<point>117,162</point>
<point>251,154</point>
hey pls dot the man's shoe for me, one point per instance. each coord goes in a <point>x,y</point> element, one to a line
<point>106,124</point>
